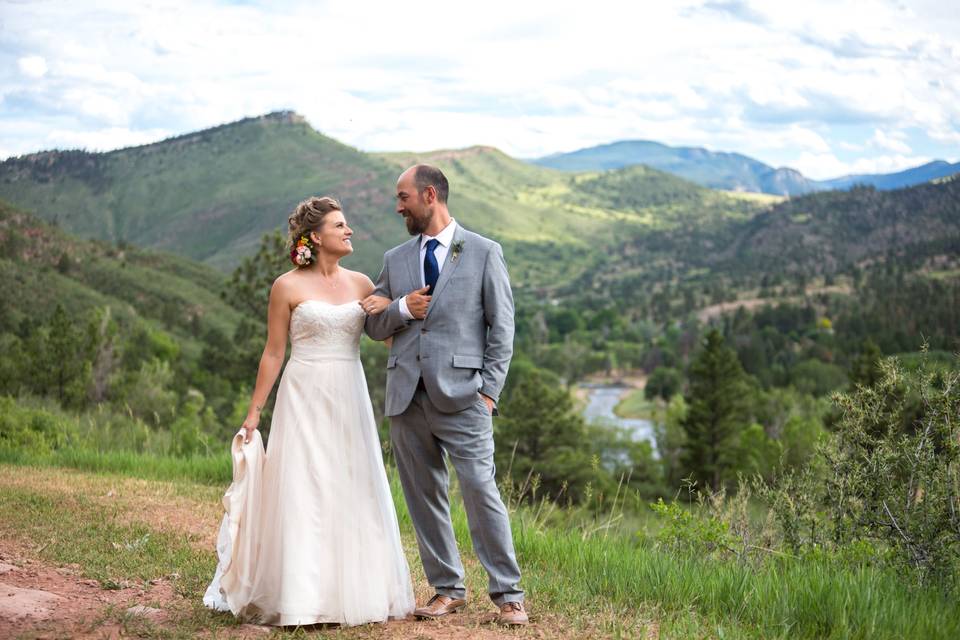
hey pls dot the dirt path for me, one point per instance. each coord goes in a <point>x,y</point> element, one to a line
<point>714,311</point>
<point>39,599</point>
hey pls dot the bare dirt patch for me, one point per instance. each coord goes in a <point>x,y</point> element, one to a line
<point>38,600</point>
<point>750,304</point>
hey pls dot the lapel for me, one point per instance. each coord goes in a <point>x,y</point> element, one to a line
<point>412,258</point>
<point>449,266</point>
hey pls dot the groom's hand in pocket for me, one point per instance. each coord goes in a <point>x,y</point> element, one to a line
<point>417,303</point>
<point>489,402</point>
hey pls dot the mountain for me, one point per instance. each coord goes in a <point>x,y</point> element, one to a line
<point>730,171</point>
<point>211,195</point>
<point>906,178</point>
<point>714,169</point>
<point>208,195</point>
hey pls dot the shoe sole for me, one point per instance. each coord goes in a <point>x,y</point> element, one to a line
<point>513,623</point>
<point>427,616</point>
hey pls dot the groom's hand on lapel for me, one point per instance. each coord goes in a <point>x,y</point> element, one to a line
<point>417,302</point>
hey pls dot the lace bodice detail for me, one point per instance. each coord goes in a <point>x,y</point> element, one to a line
<point>320,329</point>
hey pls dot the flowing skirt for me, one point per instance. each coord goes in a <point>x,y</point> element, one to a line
<point>310,534</point>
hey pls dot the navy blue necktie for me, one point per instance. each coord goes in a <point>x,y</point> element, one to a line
<point>431,271</point>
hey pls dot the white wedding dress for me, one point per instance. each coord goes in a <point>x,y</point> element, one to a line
<point>310,534</point>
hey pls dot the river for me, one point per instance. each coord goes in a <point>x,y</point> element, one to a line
<point>600,403</point>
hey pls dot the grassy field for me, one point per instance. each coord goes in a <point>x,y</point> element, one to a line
<point>635,405</point>
<point>150,542</point>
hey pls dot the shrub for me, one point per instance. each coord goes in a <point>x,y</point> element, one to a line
<point>893,469</point>
<point>664,383</point>
<point>33,430</point>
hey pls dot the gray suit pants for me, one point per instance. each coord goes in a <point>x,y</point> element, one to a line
<point>420,436</point>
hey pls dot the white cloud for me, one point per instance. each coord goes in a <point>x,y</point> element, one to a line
<point>532,78</point>
<point>821,166</point>
<point>32,66</point>
<point>893,141</point>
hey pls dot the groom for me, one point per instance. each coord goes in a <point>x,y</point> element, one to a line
<point>451,319</point>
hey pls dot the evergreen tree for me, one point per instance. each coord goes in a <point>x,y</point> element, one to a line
<point>61,359</point>
<point>717,412</point>
<point>664,382</point>
<point>249,287</point>
<point>865,369</point>
<point>540,432</point>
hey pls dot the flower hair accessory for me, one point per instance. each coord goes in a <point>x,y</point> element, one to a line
<point>302,254</point>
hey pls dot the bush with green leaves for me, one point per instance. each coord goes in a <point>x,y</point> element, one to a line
<point>893,467</point>
<point>715,523</point>
<point>33,430</point>
<point>887,479</point>
<point>663,383</point>
<point>687,530</point>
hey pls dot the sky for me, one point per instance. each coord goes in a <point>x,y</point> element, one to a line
<point>827,88</point>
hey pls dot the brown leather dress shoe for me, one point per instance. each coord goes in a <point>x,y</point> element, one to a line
<point>439,606</point>
<point>512,613</point>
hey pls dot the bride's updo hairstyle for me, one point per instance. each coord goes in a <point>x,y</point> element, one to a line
<point>307,217</point>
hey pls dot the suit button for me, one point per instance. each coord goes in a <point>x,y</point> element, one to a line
<point>418,357</point>
<point>423,330</point>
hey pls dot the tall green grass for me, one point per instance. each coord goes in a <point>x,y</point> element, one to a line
<point>567,569</point>
<point>211,470</point>
<point>784,597</point>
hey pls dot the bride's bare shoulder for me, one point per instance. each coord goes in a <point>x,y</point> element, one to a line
<point>284,283</point>
<point>360,281</point>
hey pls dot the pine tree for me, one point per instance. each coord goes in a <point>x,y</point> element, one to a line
<point>249,287</point>
<point>717,412</point>
<point>541,432</point>
<point>66,363</point>
<point>865,369</point>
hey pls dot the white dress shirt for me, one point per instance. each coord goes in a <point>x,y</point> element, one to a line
<point>445,238</point>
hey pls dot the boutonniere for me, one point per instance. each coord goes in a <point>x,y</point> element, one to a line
<point>457,247</point>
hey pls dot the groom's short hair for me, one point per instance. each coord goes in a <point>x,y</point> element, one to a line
<point>428,176</point>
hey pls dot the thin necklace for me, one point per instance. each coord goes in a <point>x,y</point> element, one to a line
<point>336,278</point>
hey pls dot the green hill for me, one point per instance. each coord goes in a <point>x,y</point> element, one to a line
<point>43,266</point>
<point>831,231</point>
<point>622,234</point>
<point>212,194</point>
<point>208,195</point>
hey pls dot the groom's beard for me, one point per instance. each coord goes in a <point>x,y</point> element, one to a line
<point>416,226</point>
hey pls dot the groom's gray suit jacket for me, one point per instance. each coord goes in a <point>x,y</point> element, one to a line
<point>464,344</point>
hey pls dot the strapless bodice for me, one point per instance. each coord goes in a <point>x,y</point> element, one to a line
<point>323,331</point>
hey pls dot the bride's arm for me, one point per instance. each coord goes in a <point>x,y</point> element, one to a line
<point>278,321</point>
<point>373,304</point>
<point>390,320</point>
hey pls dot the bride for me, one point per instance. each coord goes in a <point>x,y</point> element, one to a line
<point>310,534</point>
